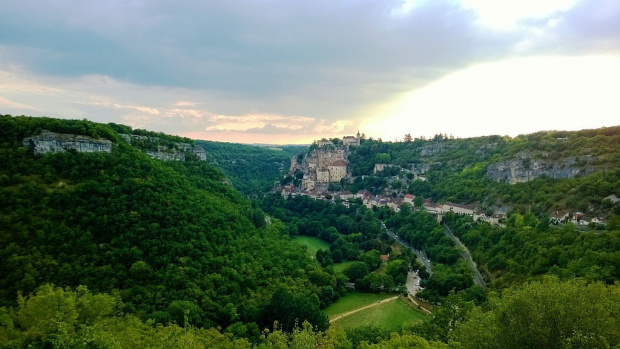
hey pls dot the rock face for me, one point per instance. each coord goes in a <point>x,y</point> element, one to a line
<point>323,165</point>
<point>523,170</point>
<point>432,149</point>
<point>51,142</point>
<point>176,152</point>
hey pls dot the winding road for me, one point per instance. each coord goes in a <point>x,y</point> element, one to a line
<point>421,255</point>
<point>467,256</point>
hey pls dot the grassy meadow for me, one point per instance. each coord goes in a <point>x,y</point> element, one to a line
<point>391,315</point>
<point>312,243</point>
<point>354,300</point>
<point>340,267</point>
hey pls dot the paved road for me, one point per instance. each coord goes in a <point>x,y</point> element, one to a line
<point>421,255</point>
<point>340,316</point>
<point>413,283</point>
<point>466,255</point>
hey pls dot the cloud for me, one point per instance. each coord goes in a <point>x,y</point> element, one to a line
<point>291,66</point>
<point>510,97</point>
<point>258,121</point>
<point>6,103</point>
<point>143,109</point>
<point>334,128</point>
<point>245,48</point>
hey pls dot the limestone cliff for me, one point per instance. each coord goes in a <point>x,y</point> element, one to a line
<point>434,148</point>
<point>51,142</point>
<point>171,151</point>
<point>525,169</point>
<point>322,165</point>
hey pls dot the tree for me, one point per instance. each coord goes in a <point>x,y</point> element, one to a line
<point>65,318</point>
<point>290,309</point>
<point>418,202</point>
<point>547,314</point>
<point>372,259</point>
<point>324,257</point>
<point>357,270</point>
<point>397,267</point>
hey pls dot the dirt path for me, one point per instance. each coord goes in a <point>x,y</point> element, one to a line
<point>340,316</point>
<point>418,304</point>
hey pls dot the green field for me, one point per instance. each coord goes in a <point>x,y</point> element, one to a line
<point>353,301</point>
<point>391,315</point>
<point>340,267</point>
<point>313,244</point>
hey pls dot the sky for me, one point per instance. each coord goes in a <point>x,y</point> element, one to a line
<point>291,71</point>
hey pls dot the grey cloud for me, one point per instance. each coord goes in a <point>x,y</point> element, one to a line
<point>320,58</point>
<point>260,48</point>
<point>275,130</point>
<point>590,26</point>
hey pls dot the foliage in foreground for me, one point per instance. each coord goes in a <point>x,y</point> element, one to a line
<point>56,317</point>
<point>546,314</point>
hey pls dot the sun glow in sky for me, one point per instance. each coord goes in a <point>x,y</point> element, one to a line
<point>292,72</point>
<point>511,97</point>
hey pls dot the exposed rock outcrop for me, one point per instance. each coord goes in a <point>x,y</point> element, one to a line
<point>51,142</point>
<point>322,165</point>
<point>172,152</point>
<point>526,169</point>
<point>435,148</point>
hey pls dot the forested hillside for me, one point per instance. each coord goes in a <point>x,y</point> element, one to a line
<point>171,238</point>
<point>251,169</point>
<point>540,172</point>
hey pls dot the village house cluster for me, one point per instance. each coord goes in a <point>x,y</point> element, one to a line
<point>394,203</point>
<point>326,163</point>
<point>577,218</point>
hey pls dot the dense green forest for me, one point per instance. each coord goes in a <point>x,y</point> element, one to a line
<point>450,272</point>
<point>354,233</point>
<point>527,248</point>
<point>251,169</point>
<point>169,238</point>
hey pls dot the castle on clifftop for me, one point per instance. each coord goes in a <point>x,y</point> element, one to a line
<point>326,162</point>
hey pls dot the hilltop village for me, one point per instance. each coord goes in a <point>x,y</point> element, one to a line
<point>323,172</point>
<point>326,162</point>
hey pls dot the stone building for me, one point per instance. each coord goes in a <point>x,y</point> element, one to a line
<point>352,140</point>
<point>337,171</point>
<point>322,175</point>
